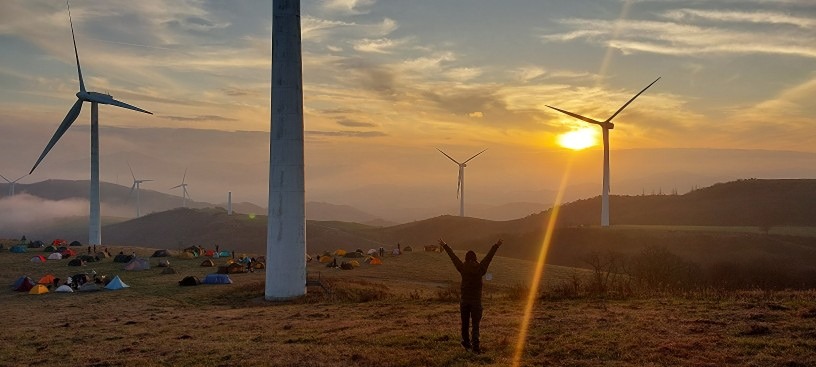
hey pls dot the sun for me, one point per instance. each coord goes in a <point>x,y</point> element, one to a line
<point>578,139</point>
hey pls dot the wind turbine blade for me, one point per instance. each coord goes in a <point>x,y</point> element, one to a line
<point>131,173</point>
<point>113,102</point>
<point>446,155</point>
<point>474,156</point>
<point>630,101</point>
<point>587,119</point>
<point>186,193</point>
<point>459,184</point>
<point>66,123</point>
<point>184,177</point>
<point>145,180</point>
<point>131,192</point>
<point>76,53</point>
<point>4,177</point>
<point>21,177</point>
<point>174,187</point>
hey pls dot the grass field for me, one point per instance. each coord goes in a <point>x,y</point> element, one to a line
<point>777,230</point>
<point>401,313</point>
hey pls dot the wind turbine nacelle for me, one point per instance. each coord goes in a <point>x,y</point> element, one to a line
<point>607,125</point>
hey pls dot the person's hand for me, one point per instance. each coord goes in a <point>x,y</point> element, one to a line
<point>499,243</point>
<point>442,243</point>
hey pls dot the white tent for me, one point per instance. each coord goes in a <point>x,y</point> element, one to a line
<point>55,256</point>
<point>64,289</point>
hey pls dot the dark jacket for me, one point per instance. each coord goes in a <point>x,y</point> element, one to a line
<point>472,273</point>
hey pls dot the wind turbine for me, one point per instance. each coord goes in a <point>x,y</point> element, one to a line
<point>184,195</point>
<point>135,186</point>
<point>12,183</point>
<point>605,127</point>
<point>94,226</point>
<point>460,185</point>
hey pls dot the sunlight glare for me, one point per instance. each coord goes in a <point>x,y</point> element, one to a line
<point>578,139</point>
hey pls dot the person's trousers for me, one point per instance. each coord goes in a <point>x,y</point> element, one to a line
<point>470,312</point>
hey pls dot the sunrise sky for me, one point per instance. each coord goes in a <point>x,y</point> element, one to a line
<point>386,82</point>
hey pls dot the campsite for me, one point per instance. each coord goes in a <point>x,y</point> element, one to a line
<point>403,312</point>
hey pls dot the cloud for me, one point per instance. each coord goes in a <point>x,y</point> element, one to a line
<point>348,134</point>
<point>352,123</point>
<point>381,45</point>
<point>685,39</point>
<point>476,115</point>
<point>30,213</point>
<point>348,7</point>
<point>315,29</point>
<point>198,118</point>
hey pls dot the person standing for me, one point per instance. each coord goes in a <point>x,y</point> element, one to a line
<point>470,304</point>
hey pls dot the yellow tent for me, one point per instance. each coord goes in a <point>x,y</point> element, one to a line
<point>340,252</point>
<point>354,263</point>
<point>38,289</point>
<point>326,259</point>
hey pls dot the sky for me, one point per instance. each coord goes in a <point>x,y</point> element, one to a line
<point>386,82</point>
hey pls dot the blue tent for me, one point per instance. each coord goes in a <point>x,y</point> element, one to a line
<point>18,249</point>
<point>116,283</point>
<point>224,253</point>
<point>217,279</point>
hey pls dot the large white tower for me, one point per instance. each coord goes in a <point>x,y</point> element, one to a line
<point>286,226</point>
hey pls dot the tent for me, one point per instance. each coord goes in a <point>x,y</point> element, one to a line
<point>217,279</point>
<point>38,289</point>
<point>340,252</point>
<point>209,253</point>
<point>326,259</point>
<point>163,263</point>
<point>50,249</point>
<point>232,269</point>
<point>160,253</point>
<point>80,279</point>
<point>375,261</point>
<point>346,266</point>
<point>258,265</point>
<point>76,243</point>
<point>38,259</point>
<point>55,256</point>
<point>48,279</point>
<point>102,255</point>
<point>89,287</point>
<point>59,242</point>
<point>372,251</point>
<point>224,254</point>
<point>23,284</point>
<point>64,289</point>
<point>76,262</point>
<point>38,243</point>
<point>407,249</point>
<point>193,250</point>
<point>208,263</point>
<point>18,249</point>
<point>87,258</point>
<point>354,254</point>
<point>169,271</point>
<point>68,253</point>
<point>187,255</point>
<point>137,264</point>
<point>189,280</point>
<point>116,283</point>
<point>355,263</point>
<point>122,258</point>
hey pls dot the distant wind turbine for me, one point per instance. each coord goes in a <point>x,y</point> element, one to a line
<point>605,127</point>
<point>460,185</point>
<point>184,195</point>
<point>12,183</point>
<point>136,187</point>
<point>94,226</point>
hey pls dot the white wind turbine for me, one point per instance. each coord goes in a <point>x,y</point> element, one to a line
<point>605,127</point>
<point>94,226</point>
<point>460,185</point>
<point>12,183</point>
<point>184,194</point>
<point>136,187</point>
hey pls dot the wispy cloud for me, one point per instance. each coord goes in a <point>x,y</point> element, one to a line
<point>761,17</point>
<point>198,118</point>
<point>352,123</point>
<point>348,7</point>
<point>348,134</point>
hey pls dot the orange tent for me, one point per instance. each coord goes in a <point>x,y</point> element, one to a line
<point>46,280</point>
<point>375,261</point>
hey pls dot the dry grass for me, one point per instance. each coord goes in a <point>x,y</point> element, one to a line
<point>388,315</point>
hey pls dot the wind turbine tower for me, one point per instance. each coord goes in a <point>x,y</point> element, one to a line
<point>229,203</point>
<point>184,194</point>
<point>286,225</point>
<point>605,127</point>
<point>460,185</point>
<point>12,183</point>
<point>95,224</point>
<point>135,186</point>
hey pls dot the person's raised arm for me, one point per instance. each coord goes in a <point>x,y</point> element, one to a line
<point>489,257</point>
<point>456,261</point>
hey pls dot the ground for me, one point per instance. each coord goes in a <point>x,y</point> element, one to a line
<point>401,313</point>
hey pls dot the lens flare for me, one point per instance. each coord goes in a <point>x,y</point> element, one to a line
<point>539,270</point>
